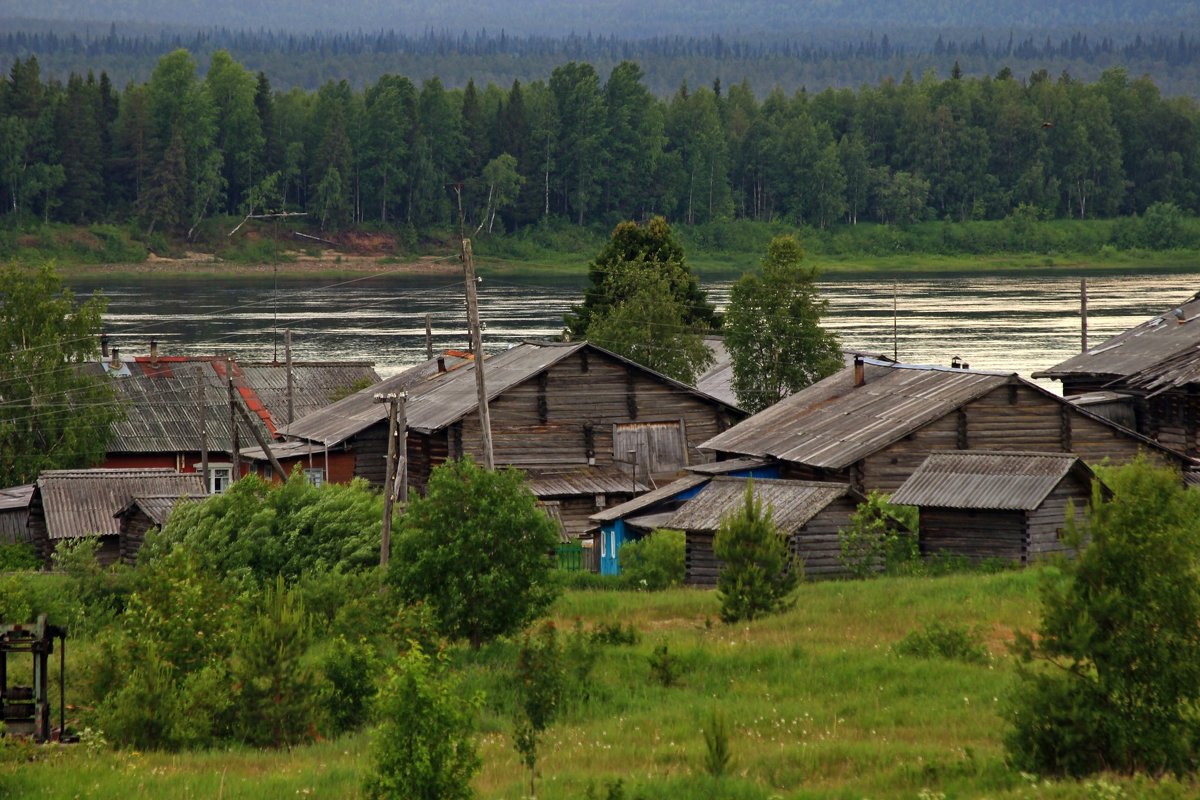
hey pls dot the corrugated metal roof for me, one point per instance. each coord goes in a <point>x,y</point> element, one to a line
<point>983,479</point>
<point>581,481</point>
<point>157,507</point>
<point>650,498</point>
<point>162,401</point>
<point>82,502</point>
<point>15,497</point>
<point>792,503</point>
<point>833,424</point>
<point>355,413</point>
<point>1171,335</point>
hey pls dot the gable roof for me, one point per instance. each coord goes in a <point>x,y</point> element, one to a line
<point>162,399</point>
<point>157,507</point>
<point>792,503</point>
<point>437,400</point>
<point>982,479</point>
<point>833,423</point>
<point>83,502</point>
<point>1172,334</point>
<point>649,498</point>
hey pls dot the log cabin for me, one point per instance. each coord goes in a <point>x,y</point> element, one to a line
<point>871,425</point>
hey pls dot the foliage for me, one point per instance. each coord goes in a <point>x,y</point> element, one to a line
<point>637,257</point>
<point>880,537</point>
<point>18,556</point>
<point>650,328</point>
<point>56,413</point>
<point>423,748</point>
<point>758,572</point>
<point>937,639</point>
<point>773,329</point>
<point>1112,679</point>
<point>654,562</point>
<point>275,686</point>
<point>349,670</point>
<point>256,530</point>
<point>541,684</point>
<point>475,550</point>
<point>718,758</point>
<point>99,593</point>
<point>664,666</point>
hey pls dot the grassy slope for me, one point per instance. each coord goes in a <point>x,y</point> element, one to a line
<point>818,706</point>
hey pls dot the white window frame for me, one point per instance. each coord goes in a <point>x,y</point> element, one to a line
<point>315,475</point>
<point>216,471</point>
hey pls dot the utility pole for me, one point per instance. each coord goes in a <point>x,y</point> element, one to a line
<point>203,400</point>
<point>385,544</point>
<point>428,337</point>
<point>287,361</point>
<point>485,419</point>
<point>236,467</point>
<point>1083,314</point>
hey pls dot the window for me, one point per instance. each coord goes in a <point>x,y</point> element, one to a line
<point>315,476</point>
<point>218,477</point>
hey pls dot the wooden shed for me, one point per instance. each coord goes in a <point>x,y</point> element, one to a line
<point>809,513</point>
<point>141,515</point>
<point>75,504</point>
<point>1007,505</point>
<point>14,513</point>
<point>873,424</point>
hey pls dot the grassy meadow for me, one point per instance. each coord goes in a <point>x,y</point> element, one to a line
<point>816,701</point>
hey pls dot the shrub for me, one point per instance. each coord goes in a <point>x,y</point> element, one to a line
<point>717,756</point>
<point>423,749</point>
<point>938,639</point>
<point>654,562</point>
<point>880,536</point>
<point>18,556</point>
<point>758,572</point>
<point>541,684</point>
<point>349,669</point>
<point>1112,679</point>
<point>664,666</point>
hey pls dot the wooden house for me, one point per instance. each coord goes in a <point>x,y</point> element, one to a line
<point>14,513</point>
<point>176,406</point>
<point>988,504</point>
<point>143,514</point>
<point>580,419</point>
<point>871,425</point>
<point>75,504</point>
<point>809,513</point>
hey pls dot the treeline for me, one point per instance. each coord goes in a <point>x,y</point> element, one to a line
<point>179,148</point>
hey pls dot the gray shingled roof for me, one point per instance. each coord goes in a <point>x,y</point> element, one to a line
<point>1156,340</point>
<point>792,503</point>
<point>833,424</point>
<point>157,507</point>
<point>980,479</point>
<point>567,482</point>
<point>83,502</point>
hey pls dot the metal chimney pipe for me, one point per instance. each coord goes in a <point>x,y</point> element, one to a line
<point>154,352</point>
<point>115,362</point>
<point>860,372</point>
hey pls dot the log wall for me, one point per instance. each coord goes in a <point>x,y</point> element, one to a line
<point>973,534</point>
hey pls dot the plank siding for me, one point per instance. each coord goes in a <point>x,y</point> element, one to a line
<point>133,534</point>
<point>370,454</point>
<point>1048,522</point>
<point>973,534</point>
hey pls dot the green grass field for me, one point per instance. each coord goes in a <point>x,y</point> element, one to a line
<point>818,705</point>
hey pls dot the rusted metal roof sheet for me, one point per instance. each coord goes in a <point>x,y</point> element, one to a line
<point>980,479</point>
<point>83,502</point>
<point>1170,336</point>
<point>157,507</point>
<point>649,499</point>
<point>582,481</point>
<point>792,503</point>
<point>833,424</point>
<point>162,400</point>
<point>356,412</point>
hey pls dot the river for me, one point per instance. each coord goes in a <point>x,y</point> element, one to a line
<point>1012,323</point>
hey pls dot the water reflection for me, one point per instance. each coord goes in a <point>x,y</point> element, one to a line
<point>1002,323</point>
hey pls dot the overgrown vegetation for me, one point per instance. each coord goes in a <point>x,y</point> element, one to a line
<point>758,571</point>
<point>654,562</point>
<point>881,537</point>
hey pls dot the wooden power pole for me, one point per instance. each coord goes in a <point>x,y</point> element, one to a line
<point>391,476</point>
<point>287,365</point>
<point>485,420</point>
<point>202,397</point>
<point>236,467</point>
<point>1083,315</point>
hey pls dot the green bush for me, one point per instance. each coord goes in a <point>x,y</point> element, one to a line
<point>758,573</point>
<point>938,639</point>
<point>880,537</point>
<point>349,670</point>
<point>423,749</point>
<point>18,556</point>
<point>654,562</point>
<point>1112,679</point>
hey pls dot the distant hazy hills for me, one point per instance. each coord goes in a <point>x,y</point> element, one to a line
<point>629,18</point>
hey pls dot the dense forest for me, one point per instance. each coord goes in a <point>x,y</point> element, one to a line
<point>180,147</point>
<point>816,60</point>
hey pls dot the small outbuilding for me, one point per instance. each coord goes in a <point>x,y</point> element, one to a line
<point>14,513</point>
<point>143,514</point>
<point>809,513</point>
<point>84,503</point>
<point>989,504</point>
